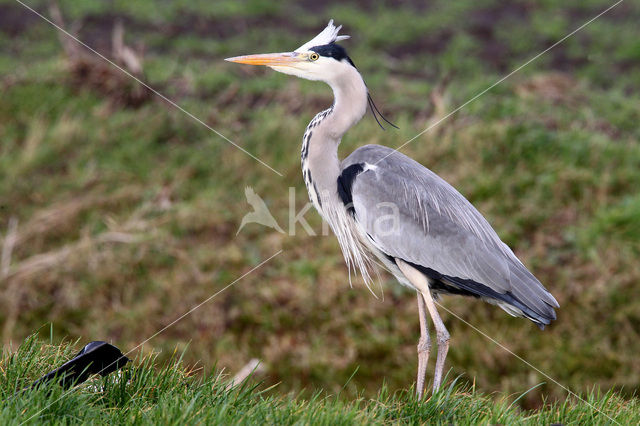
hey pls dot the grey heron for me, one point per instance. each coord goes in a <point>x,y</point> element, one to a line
<point>386,208</point>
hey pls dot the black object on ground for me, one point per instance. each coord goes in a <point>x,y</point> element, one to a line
<point>95,358</point>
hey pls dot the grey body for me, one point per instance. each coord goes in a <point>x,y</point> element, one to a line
<point>439,230</point>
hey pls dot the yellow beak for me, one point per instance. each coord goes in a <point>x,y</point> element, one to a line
<point>268,59</point>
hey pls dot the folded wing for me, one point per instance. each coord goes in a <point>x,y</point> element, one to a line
<point>412,214</point>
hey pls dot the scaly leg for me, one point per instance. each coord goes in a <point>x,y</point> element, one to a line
<point>424,344</point>
<point>443,339</point>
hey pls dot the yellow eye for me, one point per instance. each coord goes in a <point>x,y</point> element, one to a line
<point>314,56</point>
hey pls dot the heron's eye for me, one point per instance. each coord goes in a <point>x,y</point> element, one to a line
<point>314,56</point>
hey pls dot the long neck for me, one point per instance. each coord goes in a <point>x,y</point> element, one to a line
<point>320,163</point>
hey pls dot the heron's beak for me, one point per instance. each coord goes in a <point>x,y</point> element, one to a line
<point>287,59</point>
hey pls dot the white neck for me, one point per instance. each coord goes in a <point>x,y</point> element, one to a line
<point>350,104</point>
<point>321,167</point>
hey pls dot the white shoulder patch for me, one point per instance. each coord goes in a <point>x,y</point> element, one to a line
<point>328,35</point>
<point>368,166</point>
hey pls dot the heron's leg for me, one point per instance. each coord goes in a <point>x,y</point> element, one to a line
<point>424,344</point>
<point>419,281</point>
<point>443,338</point>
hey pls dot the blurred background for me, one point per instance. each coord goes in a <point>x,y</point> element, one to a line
<point>119,213</point>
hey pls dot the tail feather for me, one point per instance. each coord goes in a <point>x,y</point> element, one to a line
<point>541,313</point>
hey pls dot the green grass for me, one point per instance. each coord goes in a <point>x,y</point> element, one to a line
<point>146,392</point>
<point>127,215</point>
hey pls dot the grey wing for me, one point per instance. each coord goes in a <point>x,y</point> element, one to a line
<point>412,214</point>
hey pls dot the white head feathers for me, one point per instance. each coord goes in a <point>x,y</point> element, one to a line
<point>328,35</point>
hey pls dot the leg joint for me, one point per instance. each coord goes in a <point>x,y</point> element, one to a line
<point>443,337</point>
<point>424,344</point>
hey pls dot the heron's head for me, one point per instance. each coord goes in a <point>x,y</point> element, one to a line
<point>318,59</point>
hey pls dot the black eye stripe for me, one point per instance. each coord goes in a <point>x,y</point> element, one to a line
<point>332,50</point>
